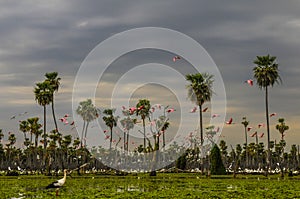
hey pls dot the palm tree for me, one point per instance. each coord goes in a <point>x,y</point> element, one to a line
<point>127,124</point>
<point>24,127</point>
<point>143,107</point>
<point>54,81</point>
<point>199,92</point>
<point>282,127</point>
<point>43,96</point>
<point>246,123</point>
<point>88,112</point>
<point>34,128</point>
<point>110,121</point>
<point>266,74</point>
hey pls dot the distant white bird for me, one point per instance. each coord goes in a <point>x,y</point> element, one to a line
<point>59,183</point>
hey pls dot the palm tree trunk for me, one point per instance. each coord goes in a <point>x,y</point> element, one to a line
<point>144,134</point>
<point>127,141</point>
<point>45,140</point>
<point>85,133</point>
<point>201,138</point>
<point>53,114</point>
<point>82,133</point>
<point>268,131</point>
<point>110,140</point>
<point>124,141</point>
<point>247,158</point>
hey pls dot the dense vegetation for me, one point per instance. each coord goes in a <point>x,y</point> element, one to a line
<point>181,185</point>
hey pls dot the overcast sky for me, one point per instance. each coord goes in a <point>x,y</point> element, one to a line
<point>38,37</point>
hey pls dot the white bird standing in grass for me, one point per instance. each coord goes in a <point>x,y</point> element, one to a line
<point>59,183</point>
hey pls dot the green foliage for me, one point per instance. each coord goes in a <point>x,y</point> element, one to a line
<point>216,163</point>
<point>181,162</point>
<point>174,185</point>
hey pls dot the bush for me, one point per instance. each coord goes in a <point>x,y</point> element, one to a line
<point>216,163</point>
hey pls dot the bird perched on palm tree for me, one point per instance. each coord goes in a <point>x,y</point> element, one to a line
<point>59,183</point>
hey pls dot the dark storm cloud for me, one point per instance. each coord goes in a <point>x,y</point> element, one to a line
<point>37,37</point>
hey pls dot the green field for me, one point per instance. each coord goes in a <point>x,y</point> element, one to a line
<point>183,185</point>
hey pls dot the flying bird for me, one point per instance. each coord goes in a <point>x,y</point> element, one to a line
<point>67,115</point>
<point>193,110</point>
<point>249,82</point>
<point>229,121</point>
<point>261,135</point>
<point>273,114</point>
<point>176,58</point>
<point>249,128</point>
<point>170,110</point>
<point>205,109</point>
<point>254,134</point>
<point>215,115</point>
<point>59,183</point>
<point>261,125</point>
<point>72,123</point>
<point>13,117</point>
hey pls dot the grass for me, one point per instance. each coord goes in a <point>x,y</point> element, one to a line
<point>181,185</point>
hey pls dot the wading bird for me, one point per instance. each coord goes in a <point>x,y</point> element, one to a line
<point>59,183</point>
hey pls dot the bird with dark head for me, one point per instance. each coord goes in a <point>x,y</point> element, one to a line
<point>59,183</point>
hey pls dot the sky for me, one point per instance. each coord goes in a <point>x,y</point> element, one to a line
<point>39,37</point>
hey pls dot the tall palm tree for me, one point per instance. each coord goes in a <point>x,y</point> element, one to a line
<point>43,96</point>
<point>110,121</point>
<point>246,123</point>
<point>199,92</point>
<point>54,81</point>
<point>88,112</point>
<point>282,127</point>
<point>143,107</point>
<point>266,74</point>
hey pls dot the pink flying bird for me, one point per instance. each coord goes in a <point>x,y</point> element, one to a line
<point>170,110</point>
<point>141,107</point>
<point>261,125</point>
<point>63,119</point>
<point>66,115</point>
<point>261,135</point>
<point>72,123</point>
<point>104,131</point>
<point>249,128</point>
<point>249,81</point>
<point>193,110</point>
<point>176,58</point>
<point>215,115</point>
<point>273,114</point>
<point>229,121</point>
<point>205,109</point>
<point>254,134</point>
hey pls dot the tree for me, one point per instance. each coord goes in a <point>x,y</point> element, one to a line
<point>223,149</point>
<point>34,128</point>
<point>88,112</point>
<point>246,123</point>
<point>43,96</point>
<point>266,74</point>
<point>216,166</point>
<point>54,81</point>
<point>127,124</point>
<point>24,127</point>
<point>282,127</point>
<point>142,109</point>
<point>199,92</point>
<point>110,121</point>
